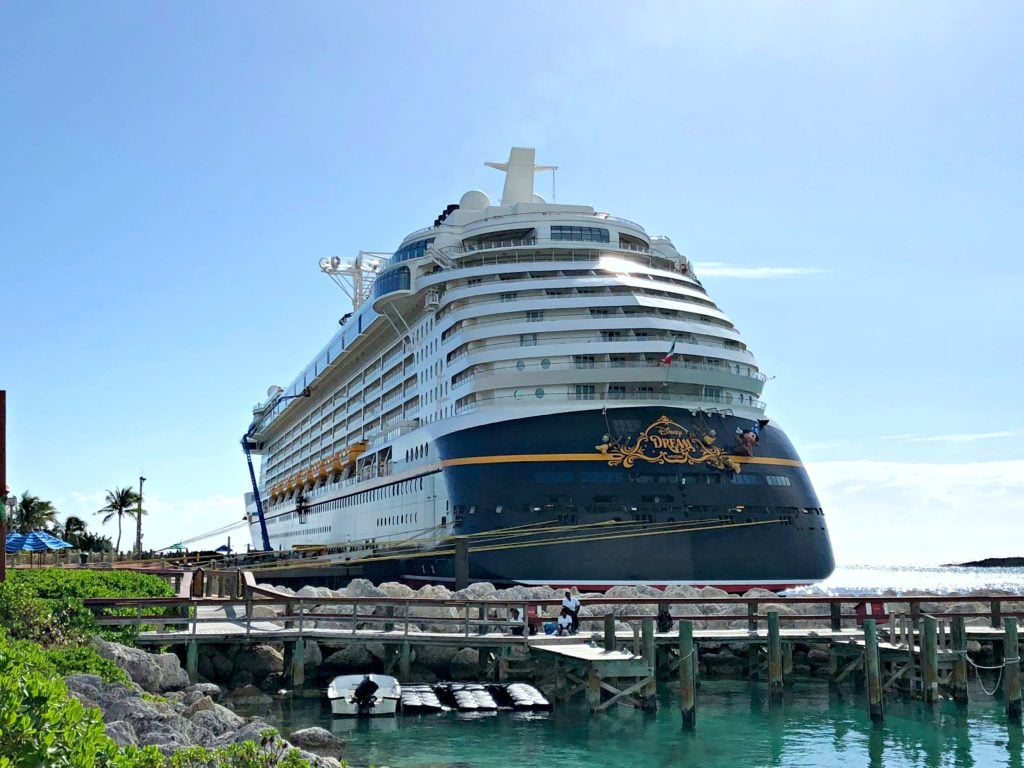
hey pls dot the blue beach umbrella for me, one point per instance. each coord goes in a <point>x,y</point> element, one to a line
<point>34,541</point>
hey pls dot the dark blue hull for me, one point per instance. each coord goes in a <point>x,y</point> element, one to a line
<point>640,495</point>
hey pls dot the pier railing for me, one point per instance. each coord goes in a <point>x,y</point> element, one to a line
<point>214,603</point>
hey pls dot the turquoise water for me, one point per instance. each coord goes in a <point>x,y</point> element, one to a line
<point>814,726</point>
<point>735,727</point>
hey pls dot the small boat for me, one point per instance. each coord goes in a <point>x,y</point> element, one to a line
<point>364,695</point>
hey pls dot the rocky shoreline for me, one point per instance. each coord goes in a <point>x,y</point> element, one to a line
<point>163,709</point>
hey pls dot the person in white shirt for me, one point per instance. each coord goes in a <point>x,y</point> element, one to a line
<point>517,621</point>
<point>572,605</point>
<point>564,624</point>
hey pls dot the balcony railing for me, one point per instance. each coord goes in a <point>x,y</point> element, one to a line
<point>611,321</point>
<point>492,245</point>
<point>732,370</point>
<point>566,341</point>
<point>721,403</point>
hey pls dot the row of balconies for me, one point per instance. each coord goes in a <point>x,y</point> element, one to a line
<point>559,398</point>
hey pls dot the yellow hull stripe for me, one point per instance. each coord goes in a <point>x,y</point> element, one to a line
<point>521,458</point>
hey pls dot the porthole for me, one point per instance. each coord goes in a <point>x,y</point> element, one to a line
<point>518,394</point>
<point>539,392</point>
<point>545,363</point>
<point>520,366</point>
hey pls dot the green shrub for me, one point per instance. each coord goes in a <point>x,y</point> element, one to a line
<point>27,616</point>
<point>42,725</point>
<point>245,755</point>
<point>66,620</point>
<point>85,660</point>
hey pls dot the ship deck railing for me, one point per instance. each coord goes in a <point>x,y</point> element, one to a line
<point>720,404</point>
<point>583,365</point>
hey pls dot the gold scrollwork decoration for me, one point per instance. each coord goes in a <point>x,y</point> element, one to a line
<point>666,442</point>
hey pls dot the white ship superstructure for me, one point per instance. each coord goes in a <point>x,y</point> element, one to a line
<point>497,315</point>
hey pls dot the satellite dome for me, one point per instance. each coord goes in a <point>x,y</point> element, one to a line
<point>474,200</point>
<point>538,199</point>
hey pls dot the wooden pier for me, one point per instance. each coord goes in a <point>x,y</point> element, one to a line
<point>906,652</point>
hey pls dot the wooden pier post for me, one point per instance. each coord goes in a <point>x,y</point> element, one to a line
<point>461,563</point>
<point>298,669</point>
<point>405,660</point>
<point>774,658</point>
<point>998,647</point>
<point>929,660</point>
<point>649,697</point>
<point>787,662</point>
<point>687,675</point>
<point>609,632</point>
<point>1011,673</point>
<point>959,678</point>
<point>501,665</point>
<point>835,611</point>
<point>192,660</point>
<point>874,672</point>
<point>593,688</point>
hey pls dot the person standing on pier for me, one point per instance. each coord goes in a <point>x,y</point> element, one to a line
<point>572,605</point>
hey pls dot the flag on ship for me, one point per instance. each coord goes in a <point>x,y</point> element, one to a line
<point>667,359</point>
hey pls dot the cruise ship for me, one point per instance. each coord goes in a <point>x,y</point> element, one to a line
<point>534,393</point>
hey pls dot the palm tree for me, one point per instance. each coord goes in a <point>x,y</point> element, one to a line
<point>33,513</point>
<point>121,503</point>
<point>93,542</point>
<point>74,529</point>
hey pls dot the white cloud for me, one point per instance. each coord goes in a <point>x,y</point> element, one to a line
<point>904,513</point>
<point>966,437</point>
<point>720,269</point>
<point>165,522</point>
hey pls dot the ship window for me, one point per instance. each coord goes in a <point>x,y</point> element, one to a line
<point>520,365</point>
<point>527,339</point>
<point>611,335</point>
<point>598,312</point>
<point>534,316</point>
<point>539,392</point>
<point>746,479</point>
<point>412,250</point>
<point>545,363</point>
<point>779,480</point>
<point>586,234</point>
<point>583,361</point>
<point>508,297</point>
<point>618,361</point>
<point>584,391</point>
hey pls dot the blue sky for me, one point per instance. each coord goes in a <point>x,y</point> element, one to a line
<point>848,178</point>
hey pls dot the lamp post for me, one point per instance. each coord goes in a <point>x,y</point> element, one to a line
<point>138,522</point>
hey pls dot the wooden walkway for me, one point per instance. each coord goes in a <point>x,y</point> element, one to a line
<point>912,650</point>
